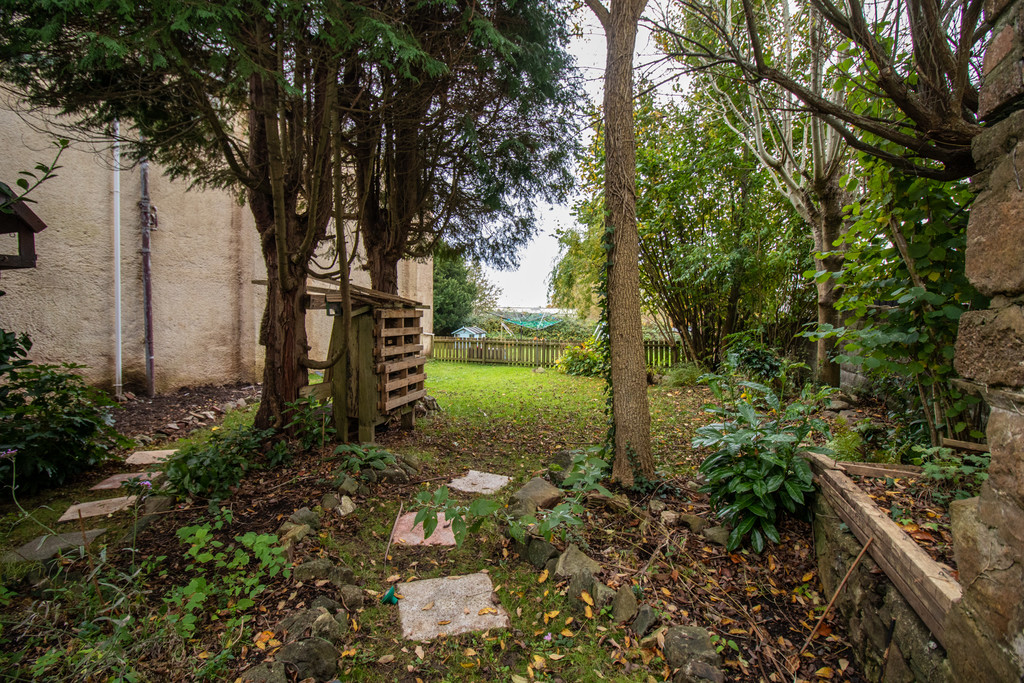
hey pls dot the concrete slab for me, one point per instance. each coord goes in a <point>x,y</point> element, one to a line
<point>97,507</point>
<point>407,534</point>
<point>114,481</point>
<point>149,457</point>
<point>45,547</point>
<point>449,606</point>
<point>480,482</point>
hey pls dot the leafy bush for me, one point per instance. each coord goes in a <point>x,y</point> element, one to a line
<point>51,422</point>
<point>752,359</point>
<point>589,359</point>
<point>755,473</point>
<point>958,476</point>
<point>313,422</point>
<point>685,374</point>
<point>356,458</point>
<point>210,469</point>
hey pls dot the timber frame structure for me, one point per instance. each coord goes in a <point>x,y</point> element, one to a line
<point>385,358</point>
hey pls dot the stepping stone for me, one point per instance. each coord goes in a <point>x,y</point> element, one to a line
<point>97,507</point>
<point>448,606</point>
<point>45,547</point>
<point>115,481</point>
<point>480,482</point>
<point>408,534</point>
<point>149,457</point>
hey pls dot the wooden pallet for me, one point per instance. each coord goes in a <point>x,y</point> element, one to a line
<point>400,365</point>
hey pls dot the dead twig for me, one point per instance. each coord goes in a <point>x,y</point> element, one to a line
<point>391,536</point>
<point>835,595</point>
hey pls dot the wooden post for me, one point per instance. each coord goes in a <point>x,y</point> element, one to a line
<point>337,375</point>
<point>366,378</point>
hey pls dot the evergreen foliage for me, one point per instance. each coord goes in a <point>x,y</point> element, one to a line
<point>454,294</point>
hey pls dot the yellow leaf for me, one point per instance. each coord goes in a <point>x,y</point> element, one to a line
<point>589,612</point>
<point>468,665</point>
<point>349,653</point>
<point>264,636</point>
<point>386,659</point>
<point>393,578</point>
<point>543,576</point>
<point>487,610</point>
<point>567,633</point>
<point>824,672</point>
<point>203,655</point>
<point>470,652</point>
<point>807,577</point>
<point>538,662</point>
<point>429,605</point>
<point>568,621</point>
<point>585,597</point>
<point>444,623</point>
<point>555,657</point>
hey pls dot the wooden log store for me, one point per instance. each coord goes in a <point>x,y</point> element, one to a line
<point>388,368</point>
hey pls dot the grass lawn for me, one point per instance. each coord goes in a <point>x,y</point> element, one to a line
<point>505,420</point>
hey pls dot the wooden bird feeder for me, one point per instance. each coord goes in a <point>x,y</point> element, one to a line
<point>385,357</point>
<point>22,221</point>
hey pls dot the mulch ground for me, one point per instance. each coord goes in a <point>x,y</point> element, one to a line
<point>141,415</point>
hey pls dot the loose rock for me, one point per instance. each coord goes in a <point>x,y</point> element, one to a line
<point>329,501</point>
<point>265,672</point>
<point>539,492</point>
<point>350,486</point>
<point>325,626</point>
<point>669,517</point>
<point>646,617</point>
<point>686,644</point>
<point>624,605</point>
<point>718,535</point>
<point>657,506</point>
<point>573,561</point>
<point>322,568</point>
<point>311,657</point>
<point>539,551</point>
<point>351,597</point>
<point>394,475</point>
<point>305,516</point>
<point>696,523</point>
<point>346,507</point>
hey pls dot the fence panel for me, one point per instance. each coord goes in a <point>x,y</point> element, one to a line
<point>532,352</point>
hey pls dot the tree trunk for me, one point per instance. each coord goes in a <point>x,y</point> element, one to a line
<point>383,269</point>
<point>631,416</point>
<point>827,228</point>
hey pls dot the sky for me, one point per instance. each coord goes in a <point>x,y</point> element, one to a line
<point>527,287</point>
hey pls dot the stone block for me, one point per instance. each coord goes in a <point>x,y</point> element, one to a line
<point>149,457</point>
<point>975,653</point>
<point>479,482</point>
<point>1000,47</point>
<point>115,481</point>
<point>408,533</point>
<point>1006,442</point>
<point>990,346</point>
<point>995,232</point>
<point>539,493</point>
<point>449,606</point>
<point>97,508</point>
<point>572,561</point>
<point>997,141</point>
<point>1001,87</point>
<point>45,547</point>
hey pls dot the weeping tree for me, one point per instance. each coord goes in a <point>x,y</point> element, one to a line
<point>461,144</point>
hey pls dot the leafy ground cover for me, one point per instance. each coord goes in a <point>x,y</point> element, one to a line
<point>150,618</point>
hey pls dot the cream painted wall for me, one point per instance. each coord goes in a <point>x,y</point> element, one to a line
<point>205,256</point>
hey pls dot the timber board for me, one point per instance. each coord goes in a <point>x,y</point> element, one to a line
<point>399,401</point>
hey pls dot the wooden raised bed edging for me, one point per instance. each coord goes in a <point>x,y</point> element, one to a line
<point>928,586</point>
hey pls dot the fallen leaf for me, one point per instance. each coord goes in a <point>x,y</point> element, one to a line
<point>487,610</point>
<point>393,578</point>
<point>543,576</point>
<point>824,672</point>
<point>538,662</point>
<point>203,655</point>
<point>589,612</point>
<point>585,597</point>
<point>444,623</point>
<point>349,653</point>
<point>567,633</point>
<point>386,659</point>
<point>555,657</point>
<point>470,652</point>
<point>429,605</point>
<point>419,652</point>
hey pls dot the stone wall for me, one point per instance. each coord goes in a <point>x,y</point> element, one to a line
<point>889,640</point>
<point>985,630</point>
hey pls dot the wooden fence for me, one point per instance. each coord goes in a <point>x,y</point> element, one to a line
<point>532,352</point>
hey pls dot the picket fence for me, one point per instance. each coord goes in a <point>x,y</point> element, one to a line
<point>532,352</point>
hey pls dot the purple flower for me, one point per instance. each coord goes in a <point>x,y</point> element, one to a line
<point>146,483</point>
<point>547,636</point>
<point>8,453</point>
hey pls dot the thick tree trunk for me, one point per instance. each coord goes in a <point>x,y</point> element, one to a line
<point>383,269</point>
<point>828,228</point>
<point>283,334</point>
<point>630,411</point>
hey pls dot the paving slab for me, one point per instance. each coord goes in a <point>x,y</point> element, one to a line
<point>408,534</point>
<point>114,481</point>
<point>45,547</point>
<point>97,507</point>
<point>480,482</point>
<point>149,457</point>
<point>449,606</point>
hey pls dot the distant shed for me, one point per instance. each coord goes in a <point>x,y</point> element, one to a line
<point>386,356</point>
<point>469,332</point>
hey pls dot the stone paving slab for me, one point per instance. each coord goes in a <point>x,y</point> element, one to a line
<point>480,482</point>
<point>449,606</point>
<point>407,534</point>
<point>115,480</point>
<point>149,457</point>
<point>45,547</point>
<point>97,507</point>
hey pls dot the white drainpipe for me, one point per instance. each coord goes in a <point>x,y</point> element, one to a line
<point>117,259</point>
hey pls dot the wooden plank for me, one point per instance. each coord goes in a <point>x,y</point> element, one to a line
<point>397,331</point>
<point>397,313</point>
<point>928,586</point>
<point>320,392</point>
<point>367,378</point>
<point>866,469</point>
<point>965,445</point>
<point>402,364</point>
<point>399,401</point>
<point>399,382</point>
<point>338,377</point>
<point>392,351</point>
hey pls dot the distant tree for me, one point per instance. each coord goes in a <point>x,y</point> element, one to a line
<point>487,293</point>
<point>453,293</point>
<point>460,146</point>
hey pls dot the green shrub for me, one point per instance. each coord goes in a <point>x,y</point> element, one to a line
<point>589,359</point>
<point>312,421</point>
<point>957,475</point>
<point>210,469</point>
<point>52,425</point>
<point>755,473</point>
<point>355,458</point>
<point>685,374</point>
<point>752,359</point>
